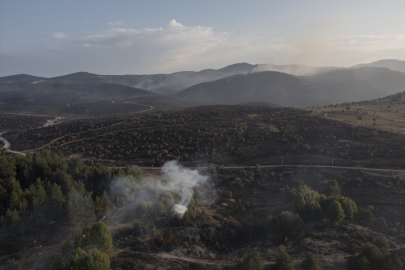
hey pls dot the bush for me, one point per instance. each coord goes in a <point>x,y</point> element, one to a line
<point>100,236</point>
<point>335,212</point>
<point>381,243</point>
<point>310,262</point>
<point>97,235</point>
<point>364,216</point>
<point>291,224</point>
<point>251,261</point>
<point>334,188</point>
<point>283,261</point>
<point>371,257</point>
<point>94,261</point>
<point>273,225</point>
<point>305,202</point>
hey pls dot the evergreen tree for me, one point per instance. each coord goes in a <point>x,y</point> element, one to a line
<point>283,261</point>
<point>251,261</point>
<point>335,212</point>
<point>310,262</point>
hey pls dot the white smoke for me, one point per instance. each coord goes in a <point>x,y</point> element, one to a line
<point>185,180</point>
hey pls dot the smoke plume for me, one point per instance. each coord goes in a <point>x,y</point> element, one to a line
<point>185,180</point>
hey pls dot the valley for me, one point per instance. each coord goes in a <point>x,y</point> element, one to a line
<point>207,176</point>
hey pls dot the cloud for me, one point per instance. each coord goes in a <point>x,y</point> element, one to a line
<point>58,35</point>
<point>115,23</point>
<point>176,47</point>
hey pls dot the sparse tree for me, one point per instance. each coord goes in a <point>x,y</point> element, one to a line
<point>283,261</point>
<point>251,261</point>
<point>335,212</point>
<point>310,262</point>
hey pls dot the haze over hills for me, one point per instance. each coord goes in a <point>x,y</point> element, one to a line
<point>331,87</point>
<point>167,84</point>
<point>297,70</point>
<point>393,64</point>
<point>84,99</point>
<point>237,83</point>
<point>268,86</point>
<point>19,78</point>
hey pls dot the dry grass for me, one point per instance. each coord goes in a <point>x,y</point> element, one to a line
<point>383,116</point>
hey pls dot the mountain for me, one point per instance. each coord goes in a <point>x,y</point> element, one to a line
<point>268,86</point>
<point>297,70</point>
<point>81,99</point>
<point>167,84</point>
<point>359,84</point>
<point>330,87</point>
<point>393,64</point>
<point>20,78</point>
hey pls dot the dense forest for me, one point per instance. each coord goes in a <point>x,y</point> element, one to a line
<point>44,196</point>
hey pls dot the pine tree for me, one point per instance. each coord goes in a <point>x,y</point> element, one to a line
<point>310,262</point>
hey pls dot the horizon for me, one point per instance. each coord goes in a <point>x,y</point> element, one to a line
<point>51,39</point>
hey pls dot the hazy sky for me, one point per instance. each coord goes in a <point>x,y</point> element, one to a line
<point>50,38</point>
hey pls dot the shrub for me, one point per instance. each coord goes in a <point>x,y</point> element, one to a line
<point>251,261</point>
<point>283,261</point>
<point>381,243</point>
<point>335,212</point>
<point>99,236</point>
<point>364,216</point>
<point>273,225</point>
<point>334,188</point>
<point>310,262</point>
<point>94,261</point>
<point>291,224</point>
<point>305,201</point>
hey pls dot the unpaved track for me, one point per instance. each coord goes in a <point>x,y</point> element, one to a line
<point>7,144</point>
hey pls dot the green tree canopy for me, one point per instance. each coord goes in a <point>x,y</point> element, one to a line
<point>283,261</point>
<point>251,261</point>
<point>310,262</point>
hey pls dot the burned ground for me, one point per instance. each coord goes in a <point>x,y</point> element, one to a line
<point>228,135</point>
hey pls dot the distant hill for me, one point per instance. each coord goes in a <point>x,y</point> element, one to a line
<point>297,70</point>
<point>167,84</point>
<point>393,64</point>
<point>82,99</point>
<point>268,86</point>
<point>331,87</point>
<point>20,78</point>
<point>357,84</point>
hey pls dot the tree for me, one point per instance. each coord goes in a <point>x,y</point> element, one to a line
<point>310,262</point>
<point>273,225</point>
<point>99,236</point>
<point>335,212</point>
<point>251,261</point>
<point>334,188</point>
<point>291,224</point>
<point>283,261</point>
<point>364,216</point>
<point>94,261</point>
<point>381,243</point>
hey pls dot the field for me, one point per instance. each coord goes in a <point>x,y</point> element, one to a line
<point>385,115</point>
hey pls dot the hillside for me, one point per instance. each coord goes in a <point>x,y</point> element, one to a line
<point>331,87</point>
<point>393,64</point>
<point>81,99</point>
<point>162,83</point>
<point>20,78</point>
<point>269,86</point>
<point>297,70</point>
<point>357,84</point>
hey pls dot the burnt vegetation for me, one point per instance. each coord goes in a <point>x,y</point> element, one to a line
<point>227,135</point>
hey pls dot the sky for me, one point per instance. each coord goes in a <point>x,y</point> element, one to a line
<point>51,38</point>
